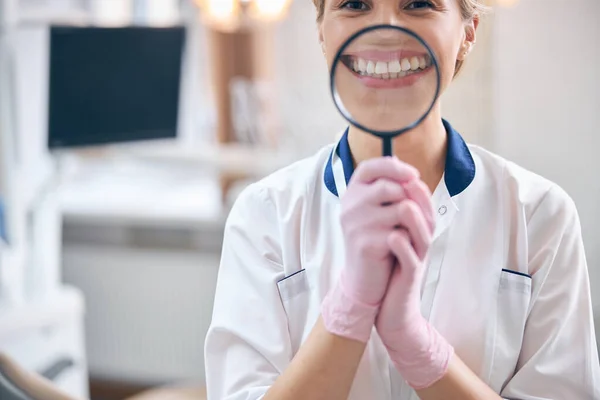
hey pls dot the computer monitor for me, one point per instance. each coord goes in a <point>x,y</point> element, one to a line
<point>113,84</point>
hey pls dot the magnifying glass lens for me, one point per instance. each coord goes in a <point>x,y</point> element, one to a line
<point>385,80</point>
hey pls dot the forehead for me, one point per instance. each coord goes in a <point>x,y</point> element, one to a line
<point>320,3</point>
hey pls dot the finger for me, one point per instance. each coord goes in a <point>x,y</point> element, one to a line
<point>373,246</point>
<point>383,218</point>
<point>400,306</point>
<point>399,242</point>
<point>390,311</point>
<point>385,167</point>
<point>385,191</point>
<point>408,215</point>
<point>417,191</point>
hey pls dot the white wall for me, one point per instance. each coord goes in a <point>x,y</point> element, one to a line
<point>547,101</point>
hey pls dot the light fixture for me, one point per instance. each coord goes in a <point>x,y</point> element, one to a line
<point>111,13</point>
<point>230,15</point>
<point>506,3</point>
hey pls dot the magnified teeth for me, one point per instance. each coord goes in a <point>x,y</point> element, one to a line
<point>370,67</point>
<point>414,63</point>
<point>389,70</point>
<point>362,65</point>
<point>381,67</point>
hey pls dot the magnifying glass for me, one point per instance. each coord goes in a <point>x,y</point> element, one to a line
<point>385,80</point>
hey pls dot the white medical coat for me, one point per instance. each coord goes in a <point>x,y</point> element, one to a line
<point>506,282</point>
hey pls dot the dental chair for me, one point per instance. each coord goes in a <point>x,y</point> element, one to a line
<point>19,384</point>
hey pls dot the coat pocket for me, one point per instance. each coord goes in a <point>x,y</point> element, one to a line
<point>293,285</point>
<point>295,292</point>
<point>514,296</point>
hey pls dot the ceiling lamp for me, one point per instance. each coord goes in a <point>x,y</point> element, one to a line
<point>506,3</point>
<point>230,15</point>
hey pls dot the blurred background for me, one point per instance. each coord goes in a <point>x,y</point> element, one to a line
<point>128,127</point>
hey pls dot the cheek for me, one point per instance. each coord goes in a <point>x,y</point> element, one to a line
<point>447,66</point>
<point>446,52</point>
<point>334,36</point>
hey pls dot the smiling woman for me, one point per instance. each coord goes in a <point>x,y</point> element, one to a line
<point>444,272</point>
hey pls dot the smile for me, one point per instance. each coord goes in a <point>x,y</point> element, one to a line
<point>392,68</point>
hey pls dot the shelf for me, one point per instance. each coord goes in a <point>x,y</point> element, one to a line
<point>134,192</point>
<point>235,159</point>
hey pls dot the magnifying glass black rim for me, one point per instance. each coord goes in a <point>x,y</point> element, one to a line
<point>347,116</point>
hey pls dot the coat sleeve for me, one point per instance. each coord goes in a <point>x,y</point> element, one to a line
<point>559,356</point>
<point>248,345</point>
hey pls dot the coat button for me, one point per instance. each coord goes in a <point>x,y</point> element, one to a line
<point>442,210</point>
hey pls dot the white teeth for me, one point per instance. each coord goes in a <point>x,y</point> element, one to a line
<point>414,63</point>
<point>362,65</point>
<point>370,67</point>
<point>381,67</point>
<point>405,64</point>
<point>389,70</point>
<point>394,66</point>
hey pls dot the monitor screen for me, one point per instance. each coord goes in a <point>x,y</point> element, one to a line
<point>111,85</point>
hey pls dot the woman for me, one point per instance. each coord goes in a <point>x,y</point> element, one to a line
<point>452,274</point>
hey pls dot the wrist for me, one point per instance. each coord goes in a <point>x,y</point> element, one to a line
<point>419,353</point>
<point>346,316</point>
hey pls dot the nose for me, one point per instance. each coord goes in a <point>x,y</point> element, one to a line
<point>389,14</point>
<point>385,35</point>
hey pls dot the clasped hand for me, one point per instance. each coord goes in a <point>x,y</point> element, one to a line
<point>388,224</point>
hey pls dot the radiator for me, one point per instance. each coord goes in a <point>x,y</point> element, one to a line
<point>149,298</point>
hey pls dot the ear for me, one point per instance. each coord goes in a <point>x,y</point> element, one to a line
<point>470,38</point>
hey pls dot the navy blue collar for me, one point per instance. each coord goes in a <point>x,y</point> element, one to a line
<point>459,173</point>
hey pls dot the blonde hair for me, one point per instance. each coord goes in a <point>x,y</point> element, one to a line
<point>469,9</point>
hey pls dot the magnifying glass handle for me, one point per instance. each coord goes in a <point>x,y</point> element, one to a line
<point>387,147</point>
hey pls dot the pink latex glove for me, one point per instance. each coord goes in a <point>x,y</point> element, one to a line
<point>350,308</point>
<point>418,351</point>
